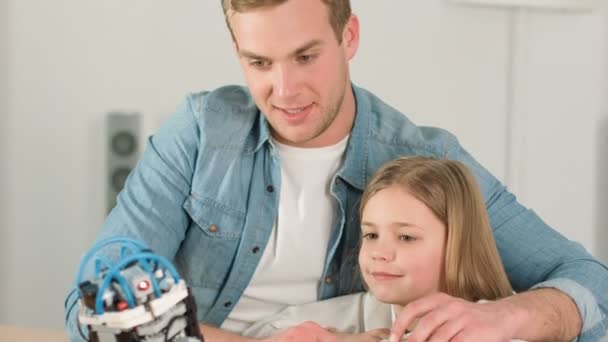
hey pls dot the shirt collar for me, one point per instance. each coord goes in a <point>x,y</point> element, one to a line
<point>355,162</point>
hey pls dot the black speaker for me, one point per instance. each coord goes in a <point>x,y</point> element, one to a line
<point>123,140</point>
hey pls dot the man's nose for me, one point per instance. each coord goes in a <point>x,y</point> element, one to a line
<point>285,81</point>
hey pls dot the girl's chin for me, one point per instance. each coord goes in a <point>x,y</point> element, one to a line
<point>389,298</point>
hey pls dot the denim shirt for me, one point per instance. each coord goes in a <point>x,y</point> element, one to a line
<point>205,195</point>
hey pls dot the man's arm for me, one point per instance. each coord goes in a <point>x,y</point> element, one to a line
<point>537,315</point>
<point>536,256</point>
<point>545,315</point>
<point>150,207</point>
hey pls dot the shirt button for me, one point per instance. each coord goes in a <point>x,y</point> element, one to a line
<point>227,304</point>
<point>213,228</point>
<point>338,181</point>
<point>270,188</point>
<point>255,249</point>
<point>328,280</point>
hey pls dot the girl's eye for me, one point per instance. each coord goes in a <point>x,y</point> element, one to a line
<point>408,238</point>
<point>370,236</point>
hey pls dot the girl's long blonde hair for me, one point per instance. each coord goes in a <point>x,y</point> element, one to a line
<point>473,269</point>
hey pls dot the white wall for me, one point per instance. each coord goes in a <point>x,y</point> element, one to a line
<point>601,157</point>
<point>601,197</point>
<point>560,94</point>
<point>70,62</point>
<point>4,96</point>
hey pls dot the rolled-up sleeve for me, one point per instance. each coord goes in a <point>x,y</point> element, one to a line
<point>594,323</point>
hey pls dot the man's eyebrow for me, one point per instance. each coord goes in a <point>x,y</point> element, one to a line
<point>303,48</point>
<point>251,55</point>
<point>307,46</point>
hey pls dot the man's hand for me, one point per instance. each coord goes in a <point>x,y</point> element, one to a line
<point>445,318</point>
<point>543,314</point>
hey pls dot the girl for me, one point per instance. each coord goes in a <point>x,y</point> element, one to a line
<point>424,229</point>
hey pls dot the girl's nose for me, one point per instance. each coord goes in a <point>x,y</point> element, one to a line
<point>383,255</point>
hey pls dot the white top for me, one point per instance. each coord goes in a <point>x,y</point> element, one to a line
<point>292,264</point>
<point>349,314</point>
<point>353,313</point>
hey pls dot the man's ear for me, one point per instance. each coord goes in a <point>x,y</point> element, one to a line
<point>235,46</point>
<point>350,37</point>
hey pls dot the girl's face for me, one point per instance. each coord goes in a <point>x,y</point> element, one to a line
<point>402,247</point>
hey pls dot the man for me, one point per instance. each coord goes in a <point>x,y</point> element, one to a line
<point>253,193</point>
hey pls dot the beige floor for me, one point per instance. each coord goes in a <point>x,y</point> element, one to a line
<point>20,334</point>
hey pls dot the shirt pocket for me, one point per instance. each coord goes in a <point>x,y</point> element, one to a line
<point>211,242</point>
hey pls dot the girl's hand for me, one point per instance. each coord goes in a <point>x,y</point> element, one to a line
<point>368,336</point>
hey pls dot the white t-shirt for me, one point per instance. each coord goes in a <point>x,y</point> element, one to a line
<point>291,267</point>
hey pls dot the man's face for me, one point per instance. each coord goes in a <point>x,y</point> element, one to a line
<point>402,247</point>
<point>297,71</point>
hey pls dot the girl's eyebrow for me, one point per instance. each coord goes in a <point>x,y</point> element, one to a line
<point>397,224</point>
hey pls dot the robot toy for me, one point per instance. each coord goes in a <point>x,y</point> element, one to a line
<point>134,296</point>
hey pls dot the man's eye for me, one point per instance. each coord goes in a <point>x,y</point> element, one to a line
<point>407,238</point>
<point>369,236</point>
<point>259,64</point>
<point>306,58</point>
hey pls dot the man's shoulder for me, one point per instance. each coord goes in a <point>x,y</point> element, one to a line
<point>224,100</point>
<point>390,128</point>
<point>227,115</point>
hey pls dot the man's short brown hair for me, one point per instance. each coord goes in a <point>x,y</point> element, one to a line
<point>339,11</point>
